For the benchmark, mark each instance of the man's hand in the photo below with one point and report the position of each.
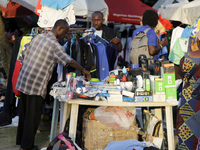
(163, 42)
(118, 42)
(86, 74)
(115, 41)
(193, 46)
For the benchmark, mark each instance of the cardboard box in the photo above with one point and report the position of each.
(169, 79)
(171, 94)
(159, 97)
(159, 87)
(144, 98)
(115, 98)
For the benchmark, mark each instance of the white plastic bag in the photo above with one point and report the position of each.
(116, 117)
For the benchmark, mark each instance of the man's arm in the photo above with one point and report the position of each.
(76, 65)
(155, 49)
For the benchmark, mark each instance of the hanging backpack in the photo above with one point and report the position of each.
(139, 46)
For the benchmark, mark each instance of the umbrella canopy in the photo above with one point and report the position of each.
(126, 11)
(165, 2)
(15, 10)
(81, 7)
(186, 12)
(30, 4)
(87, 7)
(168, 10)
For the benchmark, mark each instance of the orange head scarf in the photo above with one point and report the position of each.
(166, 23)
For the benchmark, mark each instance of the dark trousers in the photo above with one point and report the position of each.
(30, 111)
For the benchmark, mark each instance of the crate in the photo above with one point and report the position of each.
(96, 135)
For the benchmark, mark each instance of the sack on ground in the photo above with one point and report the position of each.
(115, 117)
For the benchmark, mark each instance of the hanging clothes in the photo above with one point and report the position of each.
(112, 53)
(9, 102)
(48, 16)
(103, 66)
(57, 4)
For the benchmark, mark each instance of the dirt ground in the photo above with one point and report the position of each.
(8, 136)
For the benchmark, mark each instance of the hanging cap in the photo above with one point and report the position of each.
(166, 23)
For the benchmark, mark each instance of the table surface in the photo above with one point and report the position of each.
(127, 104)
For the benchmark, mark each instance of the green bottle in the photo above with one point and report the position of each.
(147, 83)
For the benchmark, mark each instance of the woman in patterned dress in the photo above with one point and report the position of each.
(188, 121)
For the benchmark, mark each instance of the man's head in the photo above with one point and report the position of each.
(97, 20)
(150, 17)
(60, 29)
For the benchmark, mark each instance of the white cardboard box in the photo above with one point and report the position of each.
(115, 98)
(159, 97)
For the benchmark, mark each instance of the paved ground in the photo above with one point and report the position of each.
(8, 136)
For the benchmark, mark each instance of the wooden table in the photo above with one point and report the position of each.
(74, 106)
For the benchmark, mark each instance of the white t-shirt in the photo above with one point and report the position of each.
(99, 33)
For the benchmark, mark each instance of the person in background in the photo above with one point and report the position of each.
(188, 109)
(13, 30)
(40, 57)
(150, 20)
(103, 31)
(162, 26)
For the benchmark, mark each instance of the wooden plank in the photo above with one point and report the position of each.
(65, 109)
(73, 121)
(127, 104)
(158, 114)
(170, 129)
(54, 121)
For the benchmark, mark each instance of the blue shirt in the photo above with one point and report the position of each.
(151, 35)
(159, 54)
(102, 60)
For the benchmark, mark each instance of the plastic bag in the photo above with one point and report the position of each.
(116, 117)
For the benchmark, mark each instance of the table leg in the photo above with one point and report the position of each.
(158, 114)
(54, 121)
(170, 129)
(73, 121)
(64, 114)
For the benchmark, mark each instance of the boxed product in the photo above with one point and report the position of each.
(169, 79)
(96, 135)
(159, 87)
(171, 94)
(159, 97)
(168, 68)
(143, 98)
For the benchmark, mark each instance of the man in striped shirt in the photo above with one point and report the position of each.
(41, 56)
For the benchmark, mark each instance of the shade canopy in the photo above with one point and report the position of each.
(126, 11)
(186, 12)
(15, 10)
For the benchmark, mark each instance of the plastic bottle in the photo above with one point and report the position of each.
(69, 93)
(124, 78)
(124, 70)
(147, 83)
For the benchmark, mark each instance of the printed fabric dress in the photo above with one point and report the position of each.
(188, 114)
